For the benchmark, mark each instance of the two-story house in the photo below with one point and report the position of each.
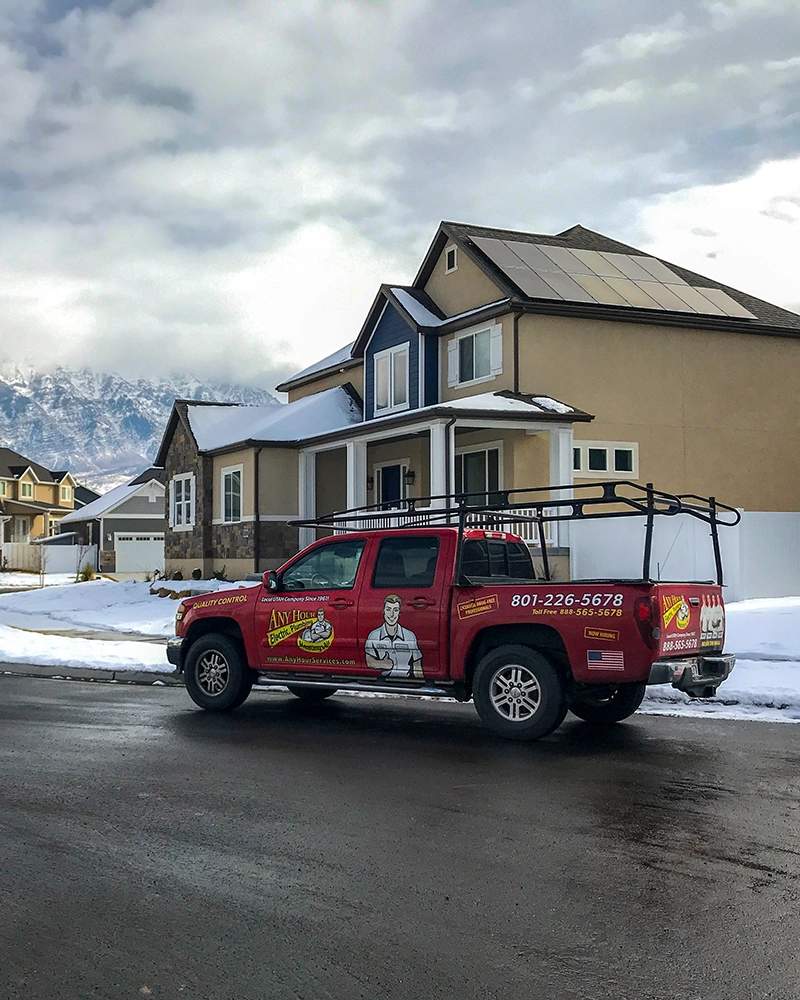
(513, 359)
(32, 499)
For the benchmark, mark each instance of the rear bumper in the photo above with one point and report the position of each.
(698, 676)
(175, 652)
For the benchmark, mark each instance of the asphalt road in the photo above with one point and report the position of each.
(387, 849)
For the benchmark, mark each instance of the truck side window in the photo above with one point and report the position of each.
(496, 560)
(330, 567)
(406, 562)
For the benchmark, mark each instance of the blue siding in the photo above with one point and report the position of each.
(431, 369)
(391, 331)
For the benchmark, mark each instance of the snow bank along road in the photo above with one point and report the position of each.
(72, 626)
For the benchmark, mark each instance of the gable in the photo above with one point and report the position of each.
(467, 287)
(391, 331)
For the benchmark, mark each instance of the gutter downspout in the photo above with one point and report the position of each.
(257, 512)
(449, 488)
(517, 316)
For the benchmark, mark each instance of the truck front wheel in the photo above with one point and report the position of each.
(217, 678)
(607, 704)
(518, 693)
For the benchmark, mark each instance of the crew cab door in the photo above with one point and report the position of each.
(403, 607)
(311, 622)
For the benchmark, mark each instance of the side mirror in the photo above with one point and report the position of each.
(270, 580)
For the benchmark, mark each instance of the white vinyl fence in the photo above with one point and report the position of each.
(760, 556)
(56, 558)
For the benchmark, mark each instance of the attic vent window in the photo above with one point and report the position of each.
(450, 260)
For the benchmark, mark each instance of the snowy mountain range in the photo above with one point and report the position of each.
(103, 428)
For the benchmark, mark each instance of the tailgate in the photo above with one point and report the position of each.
(692, 618)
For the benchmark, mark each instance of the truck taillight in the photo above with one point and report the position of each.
(645, 611)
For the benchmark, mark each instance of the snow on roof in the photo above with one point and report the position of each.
(337, 358)
(105, 503)
(424, 317)
(220, 426)
(505, 404)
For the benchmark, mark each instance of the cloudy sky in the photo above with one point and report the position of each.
(219, 186)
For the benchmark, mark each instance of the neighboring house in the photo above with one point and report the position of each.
(126, 524)
(512, 360)
(33, 500)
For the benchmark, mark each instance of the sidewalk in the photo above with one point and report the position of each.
(148, 677)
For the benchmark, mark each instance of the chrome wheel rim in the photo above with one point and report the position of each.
(212, 673)
(515, 693)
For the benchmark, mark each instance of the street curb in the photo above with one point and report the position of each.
(145, 677)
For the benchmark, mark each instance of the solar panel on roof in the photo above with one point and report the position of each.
(542, 271)
(727, 304)
(600, 290)
(598, 263)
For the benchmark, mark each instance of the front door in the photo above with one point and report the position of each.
(402, 608)
(391, 489)
(311, 623)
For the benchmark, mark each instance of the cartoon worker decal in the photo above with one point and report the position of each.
(317, 635)
(392, 649)
(319, 629)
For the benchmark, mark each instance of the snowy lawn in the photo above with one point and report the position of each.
(764, 634)
(25, 580)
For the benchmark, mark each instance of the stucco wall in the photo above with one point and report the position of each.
(277, 471)
(465, 288)
(708, 409)
(354, 375)
(505, 380)
(331, 481)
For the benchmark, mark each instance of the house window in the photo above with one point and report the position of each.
(2, 489)
(475, 356)
(26, 490)
(66, 493)
(606, 459)
(478, 474)
(21, 527)
(232, 493)
(183, 502)
(450, 260)
(391, 379)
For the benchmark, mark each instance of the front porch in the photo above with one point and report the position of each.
(435, 456)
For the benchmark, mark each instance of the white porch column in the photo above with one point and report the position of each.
(306, 494)
(356, 474)
(561, 474)
(441, 477)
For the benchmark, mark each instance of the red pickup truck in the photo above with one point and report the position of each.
(458, 611)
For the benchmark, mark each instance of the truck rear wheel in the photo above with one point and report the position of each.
(608, 704)
(310, 693)
(518, 693)
(217, 678)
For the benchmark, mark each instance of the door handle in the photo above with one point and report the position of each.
(421, 602)
(340, 603)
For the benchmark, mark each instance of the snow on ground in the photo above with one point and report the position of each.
(27, 580)
(764, 634)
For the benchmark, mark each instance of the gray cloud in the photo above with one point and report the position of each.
(220, 186)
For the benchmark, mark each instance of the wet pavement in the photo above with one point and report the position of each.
(367, 848)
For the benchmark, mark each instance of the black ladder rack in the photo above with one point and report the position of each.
(539, 505)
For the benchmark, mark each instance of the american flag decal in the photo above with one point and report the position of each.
(605, 659)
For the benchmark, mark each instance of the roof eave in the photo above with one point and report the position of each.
(297, 383)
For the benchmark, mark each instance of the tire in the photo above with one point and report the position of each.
(607, 705)
(518, 693)
(311, 694)
(216, 677)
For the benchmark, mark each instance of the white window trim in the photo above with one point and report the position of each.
(185, 476)
(447, 249)
(26, 496)
(390, 352)
(226, 471)
(3, 488)
(65, 490)
(470, 449)
(585, 473)
(452, 368)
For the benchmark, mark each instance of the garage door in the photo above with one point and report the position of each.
(139, 553)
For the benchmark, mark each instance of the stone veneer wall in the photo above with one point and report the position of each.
(193, 548)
